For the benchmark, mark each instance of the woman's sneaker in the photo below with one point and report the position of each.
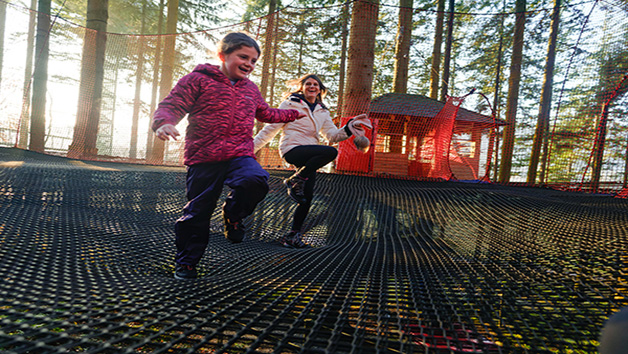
(296, 188)
(184, 271)
(293, 240)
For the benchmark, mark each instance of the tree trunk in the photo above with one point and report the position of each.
(301, 31)
(165, 85)
(438, 42)
(139, 72)
(3, 20)
(543, 120)
(268, 46)
(598, 147)
(155, 84)
(498, 67)
(91, 84)
(343, 58)
(271, 96)
(625, 184)
(402, 48)
(28, 74)
(448, 44)
(40, 78)
(498, 81)
(361, 56)
(266, 56)
(513, 93)
(606, 98)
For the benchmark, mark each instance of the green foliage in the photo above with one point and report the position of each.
(256, 8)
(309, 39)
(125, 16)
(195, 15)
(310, 43)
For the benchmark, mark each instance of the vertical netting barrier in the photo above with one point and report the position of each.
(591, 40)
(443, 130)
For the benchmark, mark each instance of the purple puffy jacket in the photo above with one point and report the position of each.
(221, 115)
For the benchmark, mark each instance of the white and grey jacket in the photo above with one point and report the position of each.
(304, 131)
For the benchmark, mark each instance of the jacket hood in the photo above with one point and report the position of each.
(296, 97)
(214, 72)
(211, 70)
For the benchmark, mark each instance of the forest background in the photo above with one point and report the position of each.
(83, 77)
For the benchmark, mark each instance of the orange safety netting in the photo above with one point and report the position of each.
(584, 142)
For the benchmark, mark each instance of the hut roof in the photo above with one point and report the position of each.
(423, 107)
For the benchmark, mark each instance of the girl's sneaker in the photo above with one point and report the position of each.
(293, 240)
(184, 271)
(234, 231)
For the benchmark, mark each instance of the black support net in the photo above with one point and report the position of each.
(399, 266)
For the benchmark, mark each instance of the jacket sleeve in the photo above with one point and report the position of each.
(265, 135)
(178, 103)
(267, 114)
(331, 132)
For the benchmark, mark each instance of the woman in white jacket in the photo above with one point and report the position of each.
(300, 145)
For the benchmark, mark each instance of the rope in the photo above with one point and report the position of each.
(562, 90)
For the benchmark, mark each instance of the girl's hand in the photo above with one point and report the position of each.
(167, 131)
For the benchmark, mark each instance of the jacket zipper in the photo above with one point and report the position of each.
(231, 115)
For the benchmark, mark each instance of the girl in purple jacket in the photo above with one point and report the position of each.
(221, 104)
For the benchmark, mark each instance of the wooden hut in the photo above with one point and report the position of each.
(406, 130)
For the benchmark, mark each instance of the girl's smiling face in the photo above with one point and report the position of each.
(239, 63)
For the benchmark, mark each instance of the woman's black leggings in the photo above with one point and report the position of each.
(308, 158)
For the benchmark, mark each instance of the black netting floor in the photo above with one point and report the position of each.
(86, 262)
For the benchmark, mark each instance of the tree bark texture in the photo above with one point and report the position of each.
(139, 72)
(40, 78)
(155, 84)
(542, 124)
(436, 52)
(167, 69)
(361, 55)
(448, 45)
(402, 47)
(3, 20)
(28, 75)
(91, 84)
(343, 58)
(268, 46)
(508, 141)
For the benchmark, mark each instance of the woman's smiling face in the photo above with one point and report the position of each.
(311, 89)
(239, 63)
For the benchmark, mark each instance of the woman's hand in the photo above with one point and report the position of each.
(167, 131)
(360, 122)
